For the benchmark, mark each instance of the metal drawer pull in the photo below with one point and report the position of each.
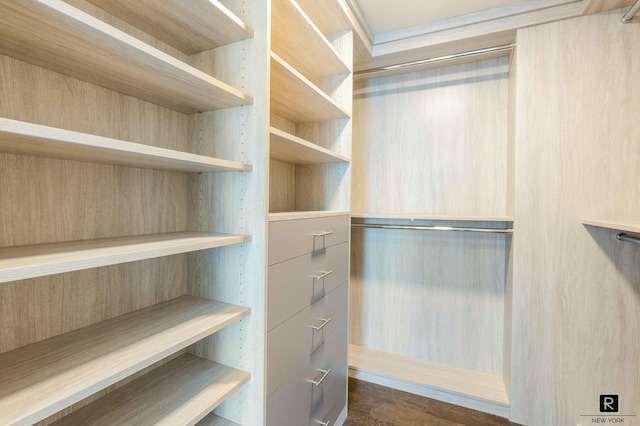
(322, 275)
(325, 373)
(327, 423)
(325, 321)
(322, 234)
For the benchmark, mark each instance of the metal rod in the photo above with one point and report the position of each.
(435, 228)
(631, 12)
(627, 238)
(501, 48)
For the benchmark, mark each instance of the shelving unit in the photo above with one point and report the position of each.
(23, 262)
(312, 55)
(292, 149)
(469, 388)
(66, 40)
(43, 378)
(309, 199)
(296, 98)
(180, 392)
(85, 92)
(185, 26)
(23, 138)
(619, 225)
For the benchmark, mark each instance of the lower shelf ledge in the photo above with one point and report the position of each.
(182, 391)
(213, 420)
(43, 378)
(467, 388)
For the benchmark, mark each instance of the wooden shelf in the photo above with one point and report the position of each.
(433, 217)
(297, 40)
(43, 378)
(190, 27)
(485, 392)
(180, 392)
(296, 98)
(19, 137)
(278, 216)
(213, 420)
(292, 149)
(620, 225)
(66, 40)
(23, 262)
(328, 15)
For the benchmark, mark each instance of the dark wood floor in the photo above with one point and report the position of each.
(373, 405)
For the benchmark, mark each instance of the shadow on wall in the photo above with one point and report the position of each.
(624, 255)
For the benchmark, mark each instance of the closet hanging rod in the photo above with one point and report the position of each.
(500, 48)
(627, 238)
(630, 13)
(435, 228)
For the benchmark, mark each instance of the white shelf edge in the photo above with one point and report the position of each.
(19, 137)
(140, 70)
(293, 76)
(201, 384)
(24, 262)
(322, 49)
(302, 151)
(619, 225)
(474, 389)
(294, 215)
(204, 24)
(432, 217)
(43, 378)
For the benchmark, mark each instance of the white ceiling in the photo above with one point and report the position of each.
(389, 15)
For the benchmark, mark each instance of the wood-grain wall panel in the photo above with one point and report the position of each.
(435, 296)
(576, 309)
(36, 309)
(432, 142)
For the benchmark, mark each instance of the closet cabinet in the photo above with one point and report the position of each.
(308, 243)
(114, 210)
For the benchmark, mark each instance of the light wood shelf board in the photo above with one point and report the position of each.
(620, 225)
(433, 217)
(213, 420)
(294, 215)
(190, 27)
(43, 378)
(297, 40)
(19, 137)
(296, 98)
(180, 392)
(292, 149)
(23, 262)
(452, 379)
(66, 40)
(327, 15)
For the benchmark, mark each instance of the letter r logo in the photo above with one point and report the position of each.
(608, 403)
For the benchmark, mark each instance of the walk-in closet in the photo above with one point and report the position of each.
(240, 212)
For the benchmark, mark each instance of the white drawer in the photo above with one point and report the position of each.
(292, 342)
(298, 401)
(292, 285)
(293, 238)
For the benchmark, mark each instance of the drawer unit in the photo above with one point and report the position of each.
(296, 283)
(312, 393)
(293, 238)
(292, 342)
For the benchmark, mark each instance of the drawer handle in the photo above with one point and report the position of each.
(322, 275)
(327, 423)
(325, 373)
(322, 234)
(325, 321)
